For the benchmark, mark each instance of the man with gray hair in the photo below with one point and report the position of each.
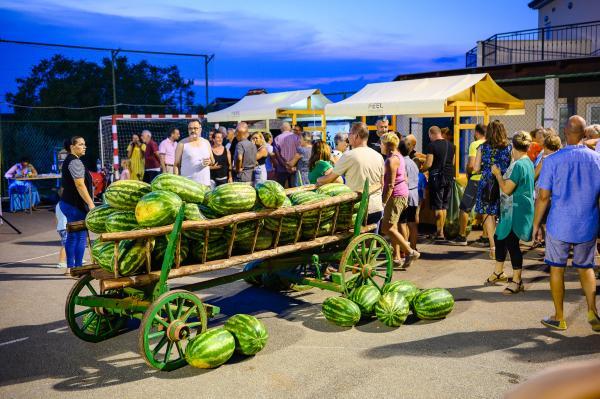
(374, 139)
(284, 148)
(569, 180)
(151, 157)
(244, 159)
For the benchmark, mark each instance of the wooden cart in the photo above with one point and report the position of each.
(100, 304)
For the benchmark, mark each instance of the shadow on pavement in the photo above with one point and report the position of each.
(52, 243)
(541, 345)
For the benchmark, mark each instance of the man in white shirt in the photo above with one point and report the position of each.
(166, 151)
(358, 165)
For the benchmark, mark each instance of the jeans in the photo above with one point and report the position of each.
(375, 218)
(75, 243)
(260, 174)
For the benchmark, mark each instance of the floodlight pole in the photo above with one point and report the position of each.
(207, 60)
(113, 57)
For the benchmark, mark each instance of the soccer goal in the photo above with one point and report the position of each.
(115, 132)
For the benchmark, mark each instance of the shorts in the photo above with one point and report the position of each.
(409, 215)
(557, 253)
(467, 203)
(394, 208)
(439, 197)
(63, 236)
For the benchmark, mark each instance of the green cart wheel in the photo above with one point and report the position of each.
(167, 325)
(88, 323)
(367, 259)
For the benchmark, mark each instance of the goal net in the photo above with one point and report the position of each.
(115, 132)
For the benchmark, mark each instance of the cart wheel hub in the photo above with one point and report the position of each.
(367, 271)
(178, 331)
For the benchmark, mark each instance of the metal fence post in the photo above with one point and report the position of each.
(543, 42)
(113, 55)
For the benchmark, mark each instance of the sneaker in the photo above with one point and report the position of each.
(61, 265)
(459, 240)
(481, 242)
(414, 255)
(594, 320)
(555, 324)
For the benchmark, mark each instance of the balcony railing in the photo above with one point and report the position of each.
(551, 43)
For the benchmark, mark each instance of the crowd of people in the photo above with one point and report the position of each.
(523, 187)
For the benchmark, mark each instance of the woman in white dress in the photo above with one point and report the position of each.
(193, 157)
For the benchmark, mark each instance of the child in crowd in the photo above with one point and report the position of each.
(125, 174)
(61, 228)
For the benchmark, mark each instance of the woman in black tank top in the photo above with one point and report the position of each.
(220, 173)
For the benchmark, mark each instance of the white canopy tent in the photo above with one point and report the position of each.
(298, 105)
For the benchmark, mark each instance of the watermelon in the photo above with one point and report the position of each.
(157, 208)
(132, 255)
(334, 189)
(121, 221)
(392, 309)
(210, 349)
(91, 324)
(309, 197)
(231, 198)
(271, 194)
(192, 212)
(216, 250)
(433, 303)
(160, 248)
(309, 232)
(103, 252)
(95, 220)
(256, 279)
(250, 334)
(289, 224)
(207, 212)
(407, 288)
(341, 311)
(263, 241)
(125, 194)
(244, 231)
(365, 296)
(187, 189)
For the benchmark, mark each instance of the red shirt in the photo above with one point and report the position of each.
(534, 150)
(151, 160)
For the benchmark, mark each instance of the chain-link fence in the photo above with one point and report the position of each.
(51, 92)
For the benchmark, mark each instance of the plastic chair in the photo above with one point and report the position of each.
(19, 195)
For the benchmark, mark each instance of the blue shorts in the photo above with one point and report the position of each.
(63, 236)
(557, 253)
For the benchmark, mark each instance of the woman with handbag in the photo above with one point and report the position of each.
(516, 213)
(495, 151)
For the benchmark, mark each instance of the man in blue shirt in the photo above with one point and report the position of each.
(569, 178)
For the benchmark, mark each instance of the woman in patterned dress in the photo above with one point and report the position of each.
(495, 151)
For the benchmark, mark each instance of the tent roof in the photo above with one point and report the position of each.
(428, 97)
(266, 106)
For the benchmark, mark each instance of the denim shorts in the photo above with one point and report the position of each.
(557, 253)
(63, 236)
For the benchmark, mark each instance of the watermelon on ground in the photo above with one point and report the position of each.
(392, 309)
(271, 194)
(125, 194)
(187, 189)
(433, 303)
(341, 311)
(365, 296)
(210, 349)
(407, 288)
(250, 333)
(158, 208)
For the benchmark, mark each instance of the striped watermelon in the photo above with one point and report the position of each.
(192, 212)
(160, 248)
(334, 189)
(365, 296)
(286, 237)
(95, 220)
(158, 208)
(407, 288)
(341, 311)
(231, 198)
(309, 232)
(392, 309)
(103, 252)
(244, 231)
(125, 194)
(210, 349)
(132, 255)
(309, 197)
(256, 279)
(433, 303)
(216, 250)
(289, 224)
(250, 334)
(271, 194)
(263, 241)
(121, 221)
(187, 189)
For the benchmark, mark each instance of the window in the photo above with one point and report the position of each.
(592, 116)
(563, 110)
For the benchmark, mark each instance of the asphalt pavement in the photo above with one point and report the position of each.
(489, 343)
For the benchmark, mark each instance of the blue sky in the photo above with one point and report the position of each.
(278, 45)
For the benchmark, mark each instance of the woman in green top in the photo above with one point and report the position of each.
(319, 163)
(516, 213)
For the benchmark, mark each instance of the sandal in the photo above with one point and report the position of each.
(513, 288)
(494, 278)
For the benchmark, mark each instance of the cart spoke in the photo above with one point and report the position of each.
(157, 334)
(371, 247)
(194, 324)
(161, 321)
(180, 349)
(97, 329)
(159, 346)
(180, 302)
(168, 352)
(83, 312)
(110, 326)
(89, 321)
(187, 313)
(375, 284)
(380, 263)
(379, 251)
(355, 254)
(92, 290)
(169, 311)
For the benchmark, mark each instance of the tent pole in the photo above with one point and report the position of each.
(457, 155)
(323, 127)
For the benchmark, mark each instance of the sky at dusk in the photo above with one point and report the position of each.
(278, 45)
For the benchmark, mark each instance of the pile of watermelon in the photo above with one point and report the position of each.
(130, 205)
(241, 333)
(391, 306)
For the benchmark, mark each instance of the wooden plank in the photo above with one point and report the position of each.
(145, 279)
